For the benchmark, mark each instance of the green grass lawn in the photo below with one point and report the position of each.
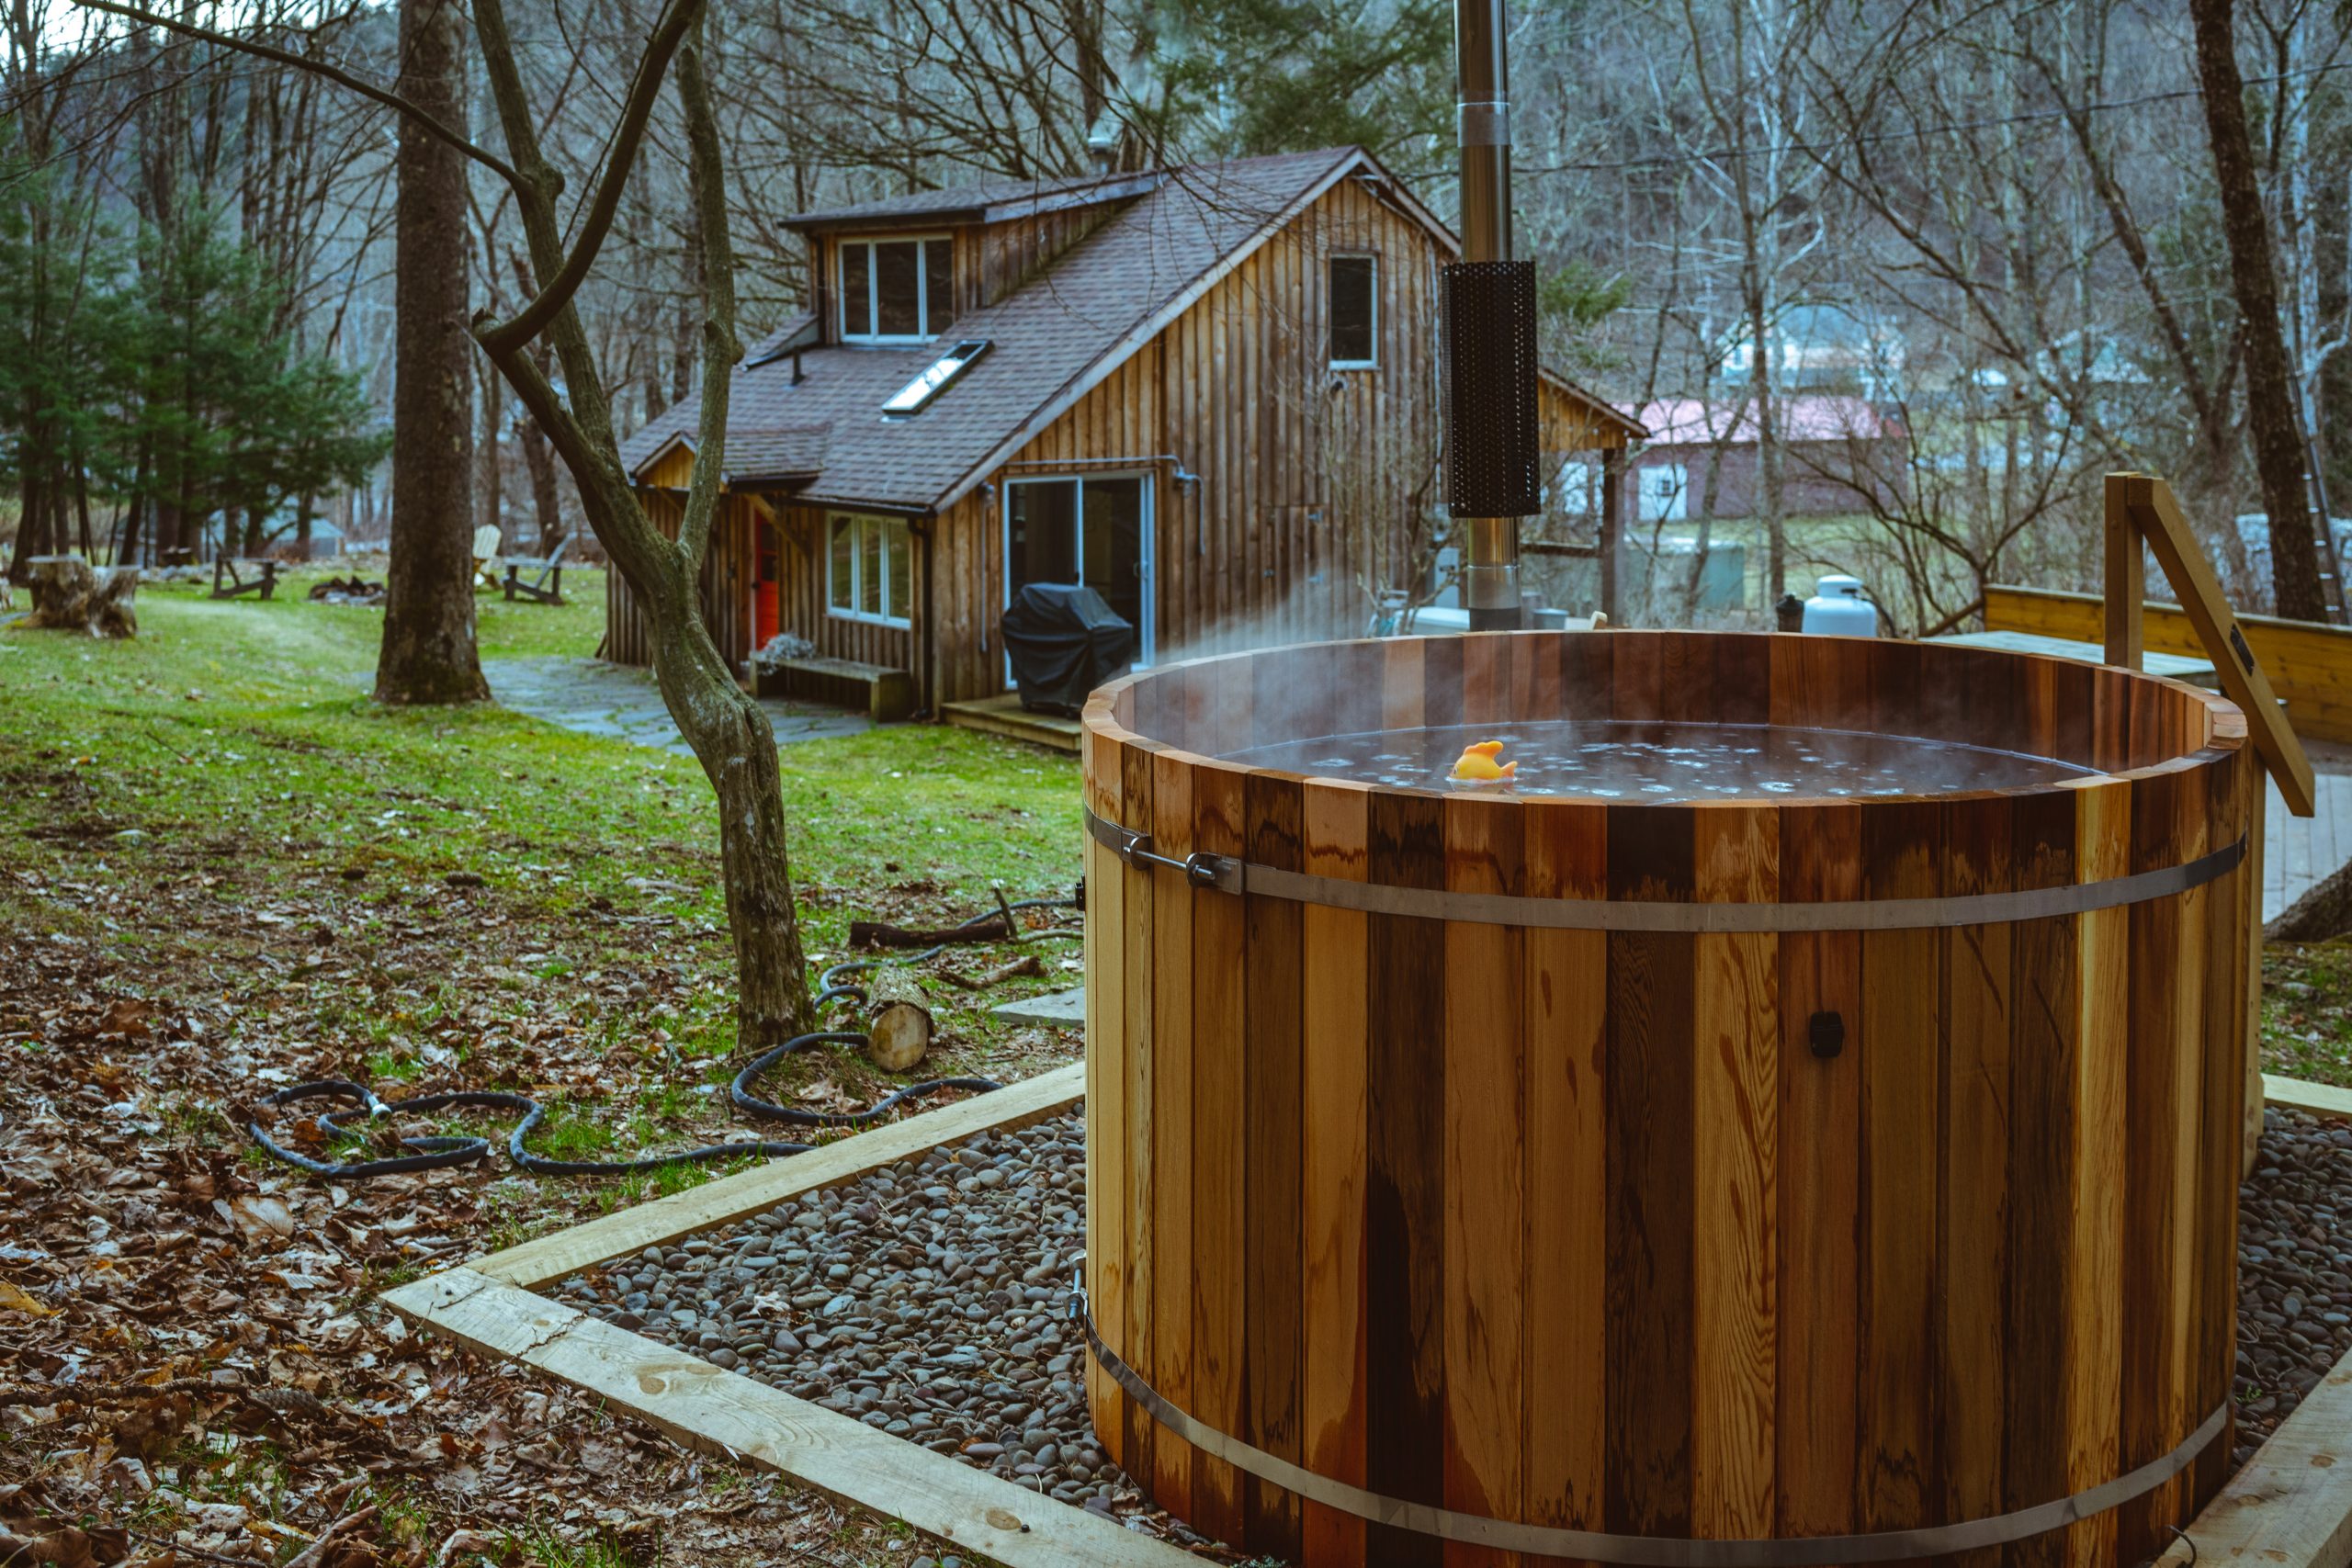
(225, 785)
(223, 869)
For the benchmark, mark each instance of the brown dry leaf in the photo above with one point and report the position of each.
(260, 1217)
(128, 1016)
(14, 1300)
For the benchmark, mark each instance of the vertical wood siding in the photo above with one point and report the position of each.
(1304, 471)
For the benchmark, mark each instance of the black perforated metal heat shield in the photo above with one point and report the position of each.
(1492, 438)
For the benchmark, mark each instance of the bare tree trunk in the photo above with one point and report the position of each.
(428, 654)
(492, 502)
(2270, 398)
(539, 458)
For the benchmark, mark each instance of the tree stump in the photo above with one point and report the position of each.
(71, 595)
(897, 1021)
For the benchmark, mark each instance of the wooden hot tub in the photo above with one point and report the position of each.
(1697, 1176)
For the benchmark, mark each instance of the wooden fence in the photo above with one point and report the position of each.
(2310, 665)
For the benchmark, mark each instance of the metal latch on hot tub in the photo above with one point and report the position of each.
(1200, 868)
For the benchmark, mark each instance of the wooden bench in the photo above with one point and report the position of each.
(885, 694)
(546, 585)
(263, 581)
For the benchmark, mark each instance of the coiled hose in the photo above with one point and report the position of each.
(442, 1151)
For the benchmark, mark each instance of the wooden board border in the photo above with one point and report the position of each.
(2290, 1506)
(490, 1305)
(2298, 1094)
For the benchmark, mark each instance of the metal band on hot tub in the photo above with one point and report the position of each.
(1641, 1551)
(1229, 875)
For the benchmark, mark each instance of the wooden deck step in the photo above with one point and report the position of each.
(1005, 716)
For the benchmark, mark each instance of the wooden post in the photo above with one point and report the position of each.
(2127, 576)
(2257, 828)
(2155, 515)
(1613, 520)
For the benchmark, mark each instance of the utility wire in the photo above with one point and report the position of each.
(1915, 133)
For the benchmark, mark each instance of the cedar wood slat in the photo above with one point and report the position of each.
(1633, 1255)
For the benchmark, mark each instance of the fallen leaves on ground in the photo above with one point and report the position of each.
(194, 1370)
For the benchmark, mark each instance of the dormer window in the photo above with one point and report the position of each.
(896, 290)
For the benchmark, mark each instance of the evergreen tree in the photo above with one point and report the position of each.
(62, 323)
(1248, 76)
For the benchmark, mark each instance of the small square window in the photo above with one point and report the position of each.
(896, 290)
(1353, 305)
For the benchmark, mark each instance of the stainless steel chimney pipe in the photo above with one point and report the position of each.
(1488, 545)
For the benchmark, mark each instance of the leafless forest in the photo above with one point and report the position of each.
(1999, 225)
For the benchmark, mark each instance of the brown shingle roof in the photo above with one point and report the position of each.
(986, 202)
(1047, 336)
(1052, 339)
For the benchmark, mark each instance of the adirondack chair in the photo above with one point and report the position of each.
(486, 554)
(257, 577)
(546, 583)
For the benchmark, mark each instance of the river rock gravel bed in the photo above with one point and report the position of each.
(927, 1300)
(2294, 1269)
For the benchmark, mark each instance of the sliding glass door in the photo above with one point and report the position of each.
(1094, 529)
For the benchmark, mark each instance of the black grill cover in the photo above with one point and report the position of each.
(1064, 641)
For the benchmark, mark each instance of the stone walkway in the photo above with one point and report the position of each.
(595, 697)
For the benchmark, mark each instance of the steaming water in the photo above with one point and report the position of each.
(1663, 764)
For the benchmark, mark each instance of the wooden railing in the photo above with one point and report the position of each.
(2310, 664)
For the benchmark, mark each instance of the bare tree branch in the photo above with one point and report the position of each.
(392, 100)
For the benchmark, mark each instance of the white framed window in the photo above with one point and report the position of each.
(897, 289)
(1665, 492)
(867, 572)
(1351, 299)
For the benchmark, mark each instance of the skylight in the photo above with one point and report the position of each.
(912, 398)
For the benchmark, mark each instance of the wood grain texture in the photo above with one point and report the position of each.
(1720, 1235)
(1270, 1199)
(1107, 1257)
(1735, 1094)
(1816, 1460)
(1405, 1413)
(1899, 1039)
(1565, 1183)
(1220, 1130)
(2095, 1347)
(1485, 1097)
(1139, 954)
(1971, 1233)
(1171, 1234)
(2044, 1048)
(1649, 1085)
(1335, 1064)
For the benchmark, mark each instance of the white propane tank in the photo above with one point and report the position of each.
(1839, 609)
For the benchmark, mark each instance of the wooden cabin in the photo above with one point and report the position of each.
(1208, 391)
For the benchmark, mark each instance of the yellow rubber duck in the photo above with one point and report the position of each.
(1477, 763)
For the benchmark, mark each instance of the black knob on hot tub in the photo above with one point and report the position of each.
(1828, 1034)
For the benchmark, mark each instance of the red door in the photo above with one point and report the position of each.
(765, 617)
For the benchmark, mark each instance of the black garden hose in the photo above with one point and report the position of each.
(442, 1151)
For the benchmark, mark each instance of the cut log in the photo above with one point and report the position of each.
(2324, 910)
(71, 595)
(897, 1021)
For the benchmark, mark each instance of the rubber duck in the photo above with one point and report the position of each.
(1477, 763)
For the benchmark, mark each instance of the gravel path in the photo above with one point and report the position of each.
(926, 1300)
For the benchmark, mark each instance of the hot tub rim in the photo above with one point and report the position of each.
(2227, 738)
